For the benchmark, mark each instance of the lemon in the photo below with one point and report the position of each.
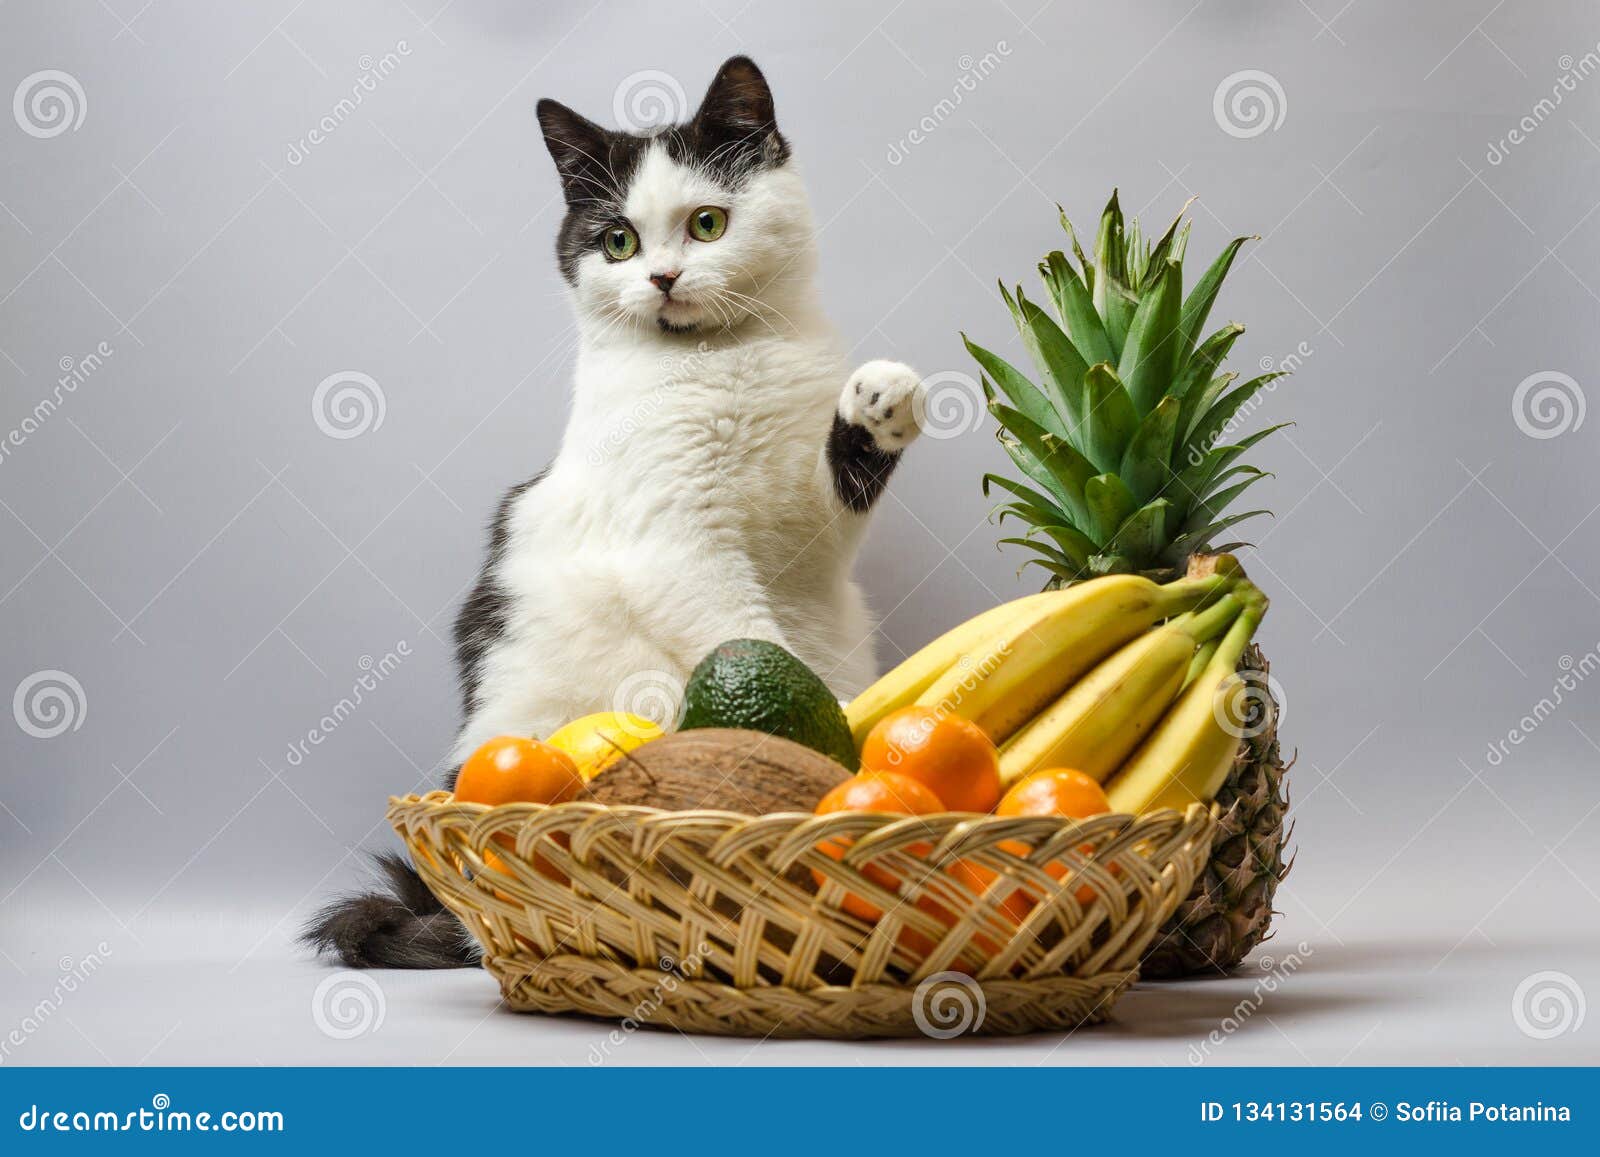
(596, 741)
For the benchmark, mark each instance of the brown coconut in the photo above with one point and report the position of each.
(721, 769)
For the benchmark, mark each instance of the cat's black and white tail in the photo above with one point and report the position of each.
(399, 925)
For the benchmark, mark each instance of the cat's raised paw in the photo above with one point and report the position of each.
(885, 399)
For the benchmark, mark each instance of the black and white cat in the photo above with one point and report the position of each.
(715, 472)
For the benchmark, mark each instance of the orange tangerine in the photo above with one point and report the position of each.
(950, 755)
(517, 769)
(1055, 791)
(1052, 791)
(888, 791)
(875, 791)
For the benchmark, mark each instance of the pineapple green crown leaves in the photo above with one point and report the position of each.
(1120, 441)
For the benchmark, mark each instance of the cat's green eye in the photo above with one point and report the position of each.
(707, 223)
(620, 242)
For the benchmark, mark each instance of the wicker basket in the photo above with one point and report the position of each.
(714, 922)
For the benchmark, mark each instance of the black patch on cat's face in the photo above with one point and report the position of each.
(733, 134)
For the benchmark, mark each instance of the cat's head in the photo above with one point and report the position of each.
(689, 228)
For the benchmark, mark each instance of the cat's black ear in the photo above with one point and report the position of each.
(738, 114)
(580, 148)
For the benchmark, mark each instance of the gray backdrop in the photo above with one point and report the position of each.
(207, 541)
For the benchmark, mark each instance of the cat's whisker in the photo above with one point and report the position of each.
(713, 305)
(725, 296)
(615, 319)
(756, 304)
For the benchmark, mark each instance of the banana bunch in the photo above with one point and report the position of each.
(1119, 677)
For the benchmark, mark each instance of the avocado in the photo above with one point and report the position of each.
(759, 686)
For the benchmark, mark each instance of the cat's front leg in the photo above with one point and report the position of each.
(878, 417)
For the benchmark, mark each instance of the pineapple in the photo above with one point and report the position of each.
(1127, 462)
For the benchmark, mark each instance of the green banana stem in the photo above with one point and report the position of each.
(1226, 658)
(1201, 660)
(1202, 626)
(1186, 594)
(1249, 604)
(1252, 596)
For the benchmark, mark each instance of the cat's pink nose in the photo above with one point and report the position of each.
(664, 281)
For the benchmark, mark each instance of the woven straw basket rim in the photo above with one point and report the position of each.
(849, 925)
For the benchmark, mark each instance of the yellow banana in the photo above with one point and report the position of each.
(1102, 718)
(901, 686)
(1187, 757)
(1041, 653)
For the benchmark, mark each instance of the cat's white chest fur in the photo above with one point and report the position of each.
(720, 436)
(691, 502)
